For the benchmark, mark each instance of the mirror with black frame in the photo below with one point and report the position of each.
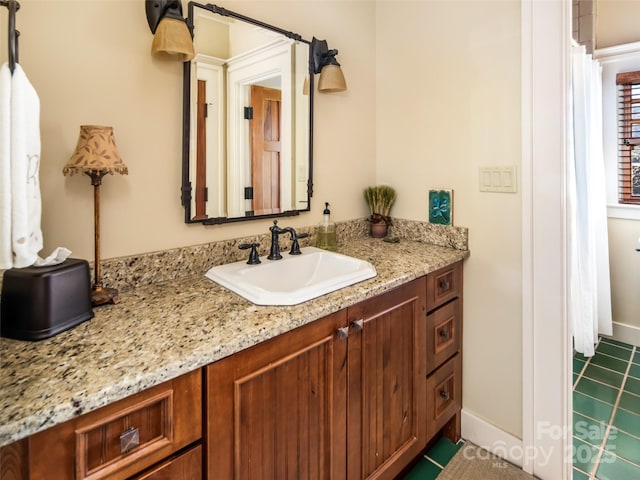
(248, 118)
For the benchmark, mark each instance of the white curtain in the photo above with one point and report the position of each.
(589, 288)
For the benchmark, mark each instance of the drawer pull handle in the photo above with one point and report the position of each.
(358, 324)
(129, 439)
(445, 395)
(343, 333)
(444, 285)
(444, 334)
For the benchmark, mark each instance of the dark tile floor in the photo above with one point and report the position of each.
(606, 413)
(606, 418)
(430, 466)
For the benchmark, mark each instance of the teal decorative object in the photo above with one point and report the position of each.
(441, 207)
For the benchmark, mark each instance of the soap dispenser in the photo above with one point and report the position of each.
(326, 231)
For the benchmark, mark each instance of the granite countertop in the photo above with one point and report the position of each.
(160, 331)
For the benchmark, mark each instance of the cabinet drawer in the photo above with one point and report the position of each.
(126, 435)
(444, 395)
(121, 439)
(186, 466)
(135, 429)
(443, 334)
(443, 285)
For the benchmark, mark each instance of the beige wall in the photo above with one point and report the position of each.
(433, 95)
(448, 102)
(90, 63)
(617, 24)
(625, 270)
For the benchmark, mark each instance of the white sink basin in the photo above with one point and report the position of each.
(293, 279)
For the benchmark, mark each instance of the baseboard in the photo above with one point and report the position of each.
(626, 333)
(491, 438)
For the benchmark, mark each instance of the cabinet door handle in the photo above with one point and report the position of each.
(445, 395)
(444, 285)
(444, 334)
(358, 324)
(343, 333)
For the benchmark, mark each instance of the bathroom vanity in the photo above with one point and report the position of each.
(204, 384)
(357, 394)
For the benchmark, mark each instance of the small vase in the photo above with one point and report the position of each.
(379, 230)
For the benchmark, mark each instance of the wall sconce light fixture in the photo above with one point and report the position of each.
(325, 63)
(96, 155)
(171, 34)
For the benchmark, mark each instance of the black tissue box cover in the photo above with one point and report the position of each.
(39, 302)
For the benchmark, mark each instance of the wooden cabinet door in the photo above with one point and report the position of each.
(386, 384)
(278, 410)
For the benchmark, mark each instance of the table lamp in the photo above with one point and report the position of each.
(96, 155)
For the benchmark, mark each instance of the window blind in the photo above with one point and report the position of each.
(628, 137)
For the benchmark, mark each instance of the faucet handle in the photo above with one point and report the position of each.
(254, 259)
(295, 246)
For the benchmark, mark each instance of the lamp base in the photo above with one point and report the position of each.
(101, 295)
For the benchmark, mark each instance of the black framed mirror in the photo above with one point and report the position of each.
(247, 119)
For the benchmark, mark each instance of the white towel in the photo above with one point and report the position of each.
(6, 260)
(20, 202)
(26, 205)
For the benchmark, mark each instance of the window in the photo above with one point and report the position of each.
(629, 137)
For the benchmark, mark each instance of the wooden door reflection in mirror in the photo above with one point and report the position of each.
(265, 149)
(201, 151)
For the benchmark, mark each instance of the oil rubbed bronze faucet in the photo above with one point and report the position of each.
(274, 253)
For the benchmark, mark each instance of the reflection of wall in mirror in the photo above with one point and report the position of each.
(226, 38)
(269, 62)
(300, 135)
(244, 37)
(211, 35)
(208, 73)
(211, 42)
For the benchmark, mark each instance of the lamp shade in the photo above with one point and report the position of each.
(305, 85)
(172, 37)
(332, 79)
(96, 151)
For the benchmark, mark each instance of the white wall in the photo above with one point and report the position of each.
(448, 102)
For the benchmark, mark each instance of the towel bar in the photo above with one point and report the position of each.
(13, 7)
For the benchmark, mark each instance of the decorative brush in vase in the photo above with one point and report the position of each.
(380, 199)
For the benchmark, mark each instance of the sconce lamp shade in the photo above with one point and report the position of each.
(325, 63)
(172, 37)
(96, 151)
(332, 79)
(306, 85)
(171, 33)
